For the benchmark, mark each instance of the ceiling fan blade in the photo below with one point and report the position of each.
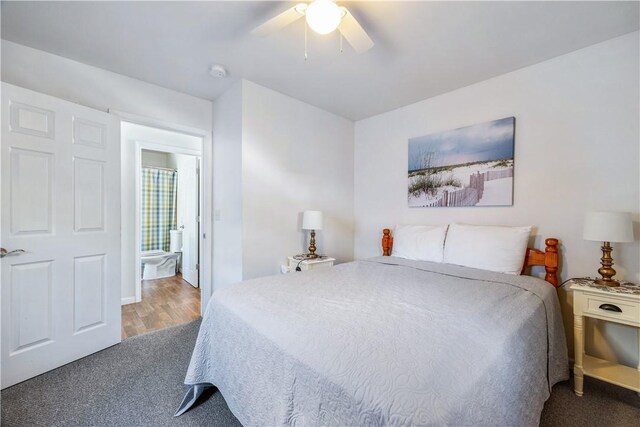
(354, 33)
(280, 21)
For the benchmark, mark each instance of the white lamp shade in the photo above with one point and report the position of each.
(608, 227)
(312, 220)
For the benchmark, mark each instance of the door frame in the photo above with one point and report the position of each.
(144, 145)
(206, 196)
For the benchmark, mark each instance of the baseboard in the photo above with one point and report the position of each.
(128, 300)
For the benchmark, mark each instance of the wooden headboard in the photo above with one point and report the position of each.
(548, 259)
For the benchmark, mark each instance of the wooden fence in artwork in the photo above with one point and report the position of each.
(471, 194)
(504, 173)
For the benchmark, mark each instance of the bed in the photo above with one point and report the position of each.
(385, 341)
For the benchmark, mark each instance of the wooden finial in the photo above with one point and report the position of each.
(551, 261)
(387, 242)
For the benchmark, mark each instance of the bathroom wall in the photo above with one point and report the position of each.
(156, 159)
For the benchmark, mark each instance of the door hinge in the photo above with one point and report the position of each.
(197, 266)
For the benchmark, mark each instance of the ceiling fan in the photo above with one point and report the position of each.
(323, 17)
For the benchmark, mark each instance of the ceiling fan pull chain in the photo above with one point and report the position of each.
(305, 41)
(340, 41)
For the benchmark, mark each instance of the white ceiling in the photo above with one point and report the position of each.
(422, 48)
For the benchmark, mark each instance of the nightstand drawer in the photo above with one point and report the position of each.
(310, 264)
(316, 265)
(620, 305)
(612, 308)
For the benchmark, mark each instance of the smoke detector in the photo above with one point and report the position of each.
(218, 71)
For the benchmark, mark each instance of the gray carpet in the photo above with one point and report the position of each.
(139, 383)
(136, 383)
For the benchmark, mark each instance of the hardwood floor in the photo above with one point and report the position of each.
(165, 302)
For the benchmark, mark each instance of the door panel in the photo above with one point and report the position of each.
(31, 305)
(60, 185)
(88, 133)
(88, 292)
(88, 194)
(31, 120)
(31, 173)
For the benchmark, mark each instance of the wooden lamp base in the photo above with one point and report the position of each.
(606, 270)
(312, 246)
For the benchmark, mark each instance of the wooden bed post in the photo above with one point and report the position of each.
(387, 242)
(547, 259)
(551, 261)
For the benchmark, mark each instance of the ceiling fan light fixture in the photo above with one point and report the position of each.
(323, 16)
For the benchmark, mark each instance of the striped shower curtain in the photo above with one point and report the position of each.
(158, 208)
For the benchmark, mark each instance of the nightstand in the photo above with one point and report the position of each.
(612, 304)
(310, 264)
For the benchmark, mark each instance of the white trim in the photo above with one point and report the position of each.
(158, 124)
(206, 195)
(128, 300)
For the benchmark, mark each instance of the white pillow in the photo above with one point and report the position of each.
(492, 248)
(419, 242)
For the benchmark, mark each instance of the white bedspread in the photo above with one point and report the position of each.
(383, 341)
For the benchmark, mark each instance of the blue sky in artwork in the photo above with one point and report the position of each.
(484, 141)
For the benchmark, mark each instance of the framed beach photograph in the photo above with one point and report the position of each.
(469, 166)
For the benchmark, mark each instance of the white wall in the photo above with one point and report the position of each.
(100, 89)
(576, 149)
(274, 158)
(227, 188)
(295, 157)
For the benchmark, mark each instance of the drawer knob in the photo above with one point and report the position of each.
(610, 307)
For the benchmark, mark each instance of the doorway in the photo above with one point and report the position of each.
(164, 284)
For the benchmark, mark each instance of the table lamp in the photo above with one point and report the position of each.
(312, 220)
(608, 227)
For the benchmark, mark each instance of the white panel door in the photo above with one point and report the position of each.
(60, 184)
(188, 200)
